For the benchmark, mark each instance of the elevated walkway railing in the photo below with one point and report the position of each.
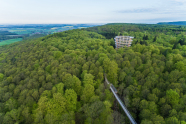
(114, 91)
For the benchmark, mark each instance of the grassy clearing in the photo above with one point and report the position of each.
(6, 42)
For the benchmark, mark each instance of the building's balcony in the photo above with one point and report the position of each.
(123, 43)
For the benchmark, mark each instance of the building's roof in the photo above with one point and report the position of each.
(124, 37)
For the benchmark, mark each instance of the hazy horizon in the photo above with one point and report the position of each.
(52, 23)
(91, 12)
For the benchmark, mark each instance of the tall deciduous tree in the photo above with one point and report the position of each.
(71, 99)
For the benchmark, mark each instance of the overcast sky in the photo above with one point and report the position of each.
(94, 11)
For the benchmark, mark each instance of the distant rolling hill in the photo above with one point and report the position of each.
(173, 23)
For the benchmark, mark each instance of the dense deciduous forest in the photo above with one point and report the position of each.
(60, 78)
(56, 79)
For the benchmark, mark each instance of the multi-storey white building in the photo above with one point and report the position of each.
(121, 41)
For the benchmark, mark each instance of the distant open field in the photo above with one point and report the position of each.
(82, 27)
(6, 42)
(20, 32)
(29, 31)
(68, 26)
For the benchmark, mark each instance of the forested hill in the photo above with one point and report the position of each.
(57, 79)
(173, 23)
(60, 78)
(168, 38)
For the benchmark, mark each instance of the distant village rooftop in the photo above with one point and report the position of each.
(121, 41)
